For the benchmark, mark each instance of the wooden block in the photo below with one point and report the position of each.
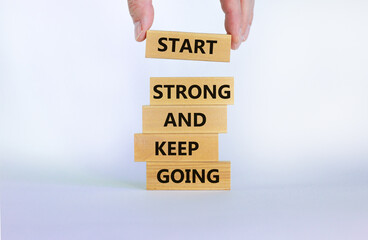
(188, 46)
(191, 90)
(184, 119)
(188, 175)
(175, 147)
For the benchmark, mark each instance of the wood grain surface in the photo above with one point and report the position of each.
(155, 117)
(188, 46)
(182, 176)
(175, 147)
(191, 90)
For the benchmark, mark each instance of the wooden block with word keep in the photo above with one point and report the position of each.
(188, 175)
(175, 147)
(188, 46)
(191, 90)
(184, 119)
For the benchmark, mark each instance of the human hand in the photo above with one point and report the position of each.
(238, 18)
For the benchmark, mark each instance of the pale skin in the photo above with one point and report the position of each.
(238, 18)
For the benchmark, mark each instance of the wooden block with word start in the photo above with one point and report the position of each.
(188, 175)
(184, 119)
(188, 46)
(191, 90)
(175, 147)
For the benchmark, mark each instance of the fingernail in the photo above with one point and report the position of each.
(246, 33)
(237, 44)
(137, 30)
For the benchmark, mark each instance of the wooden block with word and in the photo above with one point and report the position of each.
(184, 119)
(191, 90)
(188, 175)
(188, 46)
(175, 147)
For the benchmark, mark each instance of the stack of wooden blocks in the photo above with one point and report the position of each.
(181, 126)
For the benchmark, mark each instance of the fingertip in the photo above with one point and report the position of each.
(142, 13)
(236, 40)
(246, 33)
(142, 37)
(235, 46)
(138, 31)
(233, 22)
(141, 28)
(140, 34)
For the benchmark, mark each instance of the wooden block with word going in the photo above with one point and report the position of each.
(175, 147)
(191, 90)
(184, 119)
(188, 175)
(188, 46)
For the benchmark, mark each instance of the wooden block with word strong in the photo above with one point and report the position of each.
(191, 90)
(184, 119)
(175, 147)
(188, 175)
(188, 46)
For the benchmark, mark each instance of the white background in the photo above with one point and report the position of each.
(72, 83)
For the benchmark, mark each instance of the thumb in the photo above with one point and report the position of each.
(142, 15)
(232, 10)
